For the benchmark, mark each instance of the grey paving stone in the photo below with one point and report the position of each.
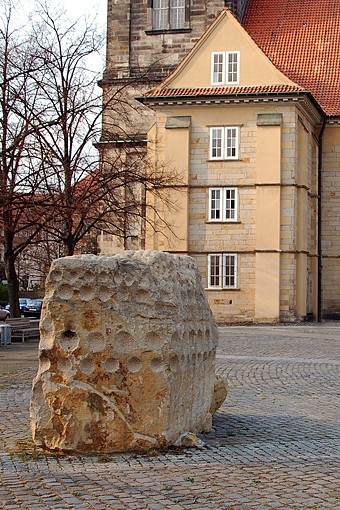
(274, 443)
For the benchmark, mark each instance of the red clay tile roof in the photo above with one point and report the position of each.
(302, 39)
(224, 91)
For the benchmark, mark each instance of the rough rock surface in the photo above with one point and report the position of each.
(127, 354)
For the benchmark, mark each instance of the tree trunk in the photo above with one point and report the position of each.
(13, 283)
(69, 246)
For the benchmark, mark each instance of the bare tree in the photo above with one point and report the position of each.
(19, 181)
(54, 184)
(86, 191)
(67, 160)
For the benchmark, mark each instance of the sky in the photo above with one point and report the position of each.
(96, 8)
(79, 7)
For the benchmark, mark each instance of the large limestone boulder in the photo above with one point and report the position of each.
(127, 354)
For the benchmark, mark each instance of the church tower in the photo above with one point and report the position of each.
(156, 33)
(147, 39)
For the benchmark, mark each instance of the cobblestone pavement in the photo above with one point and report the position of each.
(274, 445)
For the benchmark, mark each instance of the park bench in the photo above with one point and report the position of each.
(24, 329)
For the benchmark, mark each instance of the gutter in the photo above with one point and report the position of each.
(231, 96)
(320, 161)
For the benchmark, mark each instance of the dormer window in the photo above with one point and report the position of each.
(168, 14)
(225, 68)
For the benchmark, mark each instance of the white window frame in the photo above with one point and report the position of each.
(218, 67)
(225, 68)
(224, 142)
(223, 269)
(232, 67)
(168, 14)
(223, 204)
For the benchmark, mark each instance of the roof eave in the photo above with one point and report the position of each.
(238, 97)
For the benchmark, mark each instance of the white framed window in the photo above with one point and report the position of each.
(222, 271)
(168, 14)
(233, 67)
(218, 68)
(225, 67)
(223, 204)
(224, 142)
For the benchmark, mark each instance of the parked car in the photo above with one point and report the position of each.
(33, 308)
(4, 314)
(22, 304)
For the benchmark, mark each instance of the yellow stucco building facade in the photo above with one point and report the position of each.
(249, 143)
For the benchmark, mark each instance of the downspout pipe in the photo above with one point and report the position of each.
(320, 164)
(130, 36)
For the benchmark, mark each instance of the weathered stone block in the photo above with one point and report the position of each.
(127, 354)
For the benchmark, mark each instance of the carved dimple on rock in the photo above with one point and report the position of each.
(111, 365)
(157, 364)
(91, 276)
(65, 365)
(45, 364)
(56, 275)
(69, 340)
(87, 365)
(104, 294)
(95, 342)
(65, 291)
(129, 279)
(104, 278)
(134, 364)
(175, 339)
(118, 278)
(174, 363)
(123, 341)
(87, 293)
(74, 274)
(153, 340)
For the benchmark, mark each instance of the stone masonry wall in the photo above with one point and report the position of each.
(330, 223)
(132, 45)
(235, 305)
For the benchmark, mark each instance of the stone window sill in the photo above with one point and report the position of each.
(219, 289)
(223, 222)
(168, 31)
(223, 160)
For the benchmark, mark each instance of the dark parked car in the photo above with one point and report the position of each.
(33, 308)
(22, 304)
